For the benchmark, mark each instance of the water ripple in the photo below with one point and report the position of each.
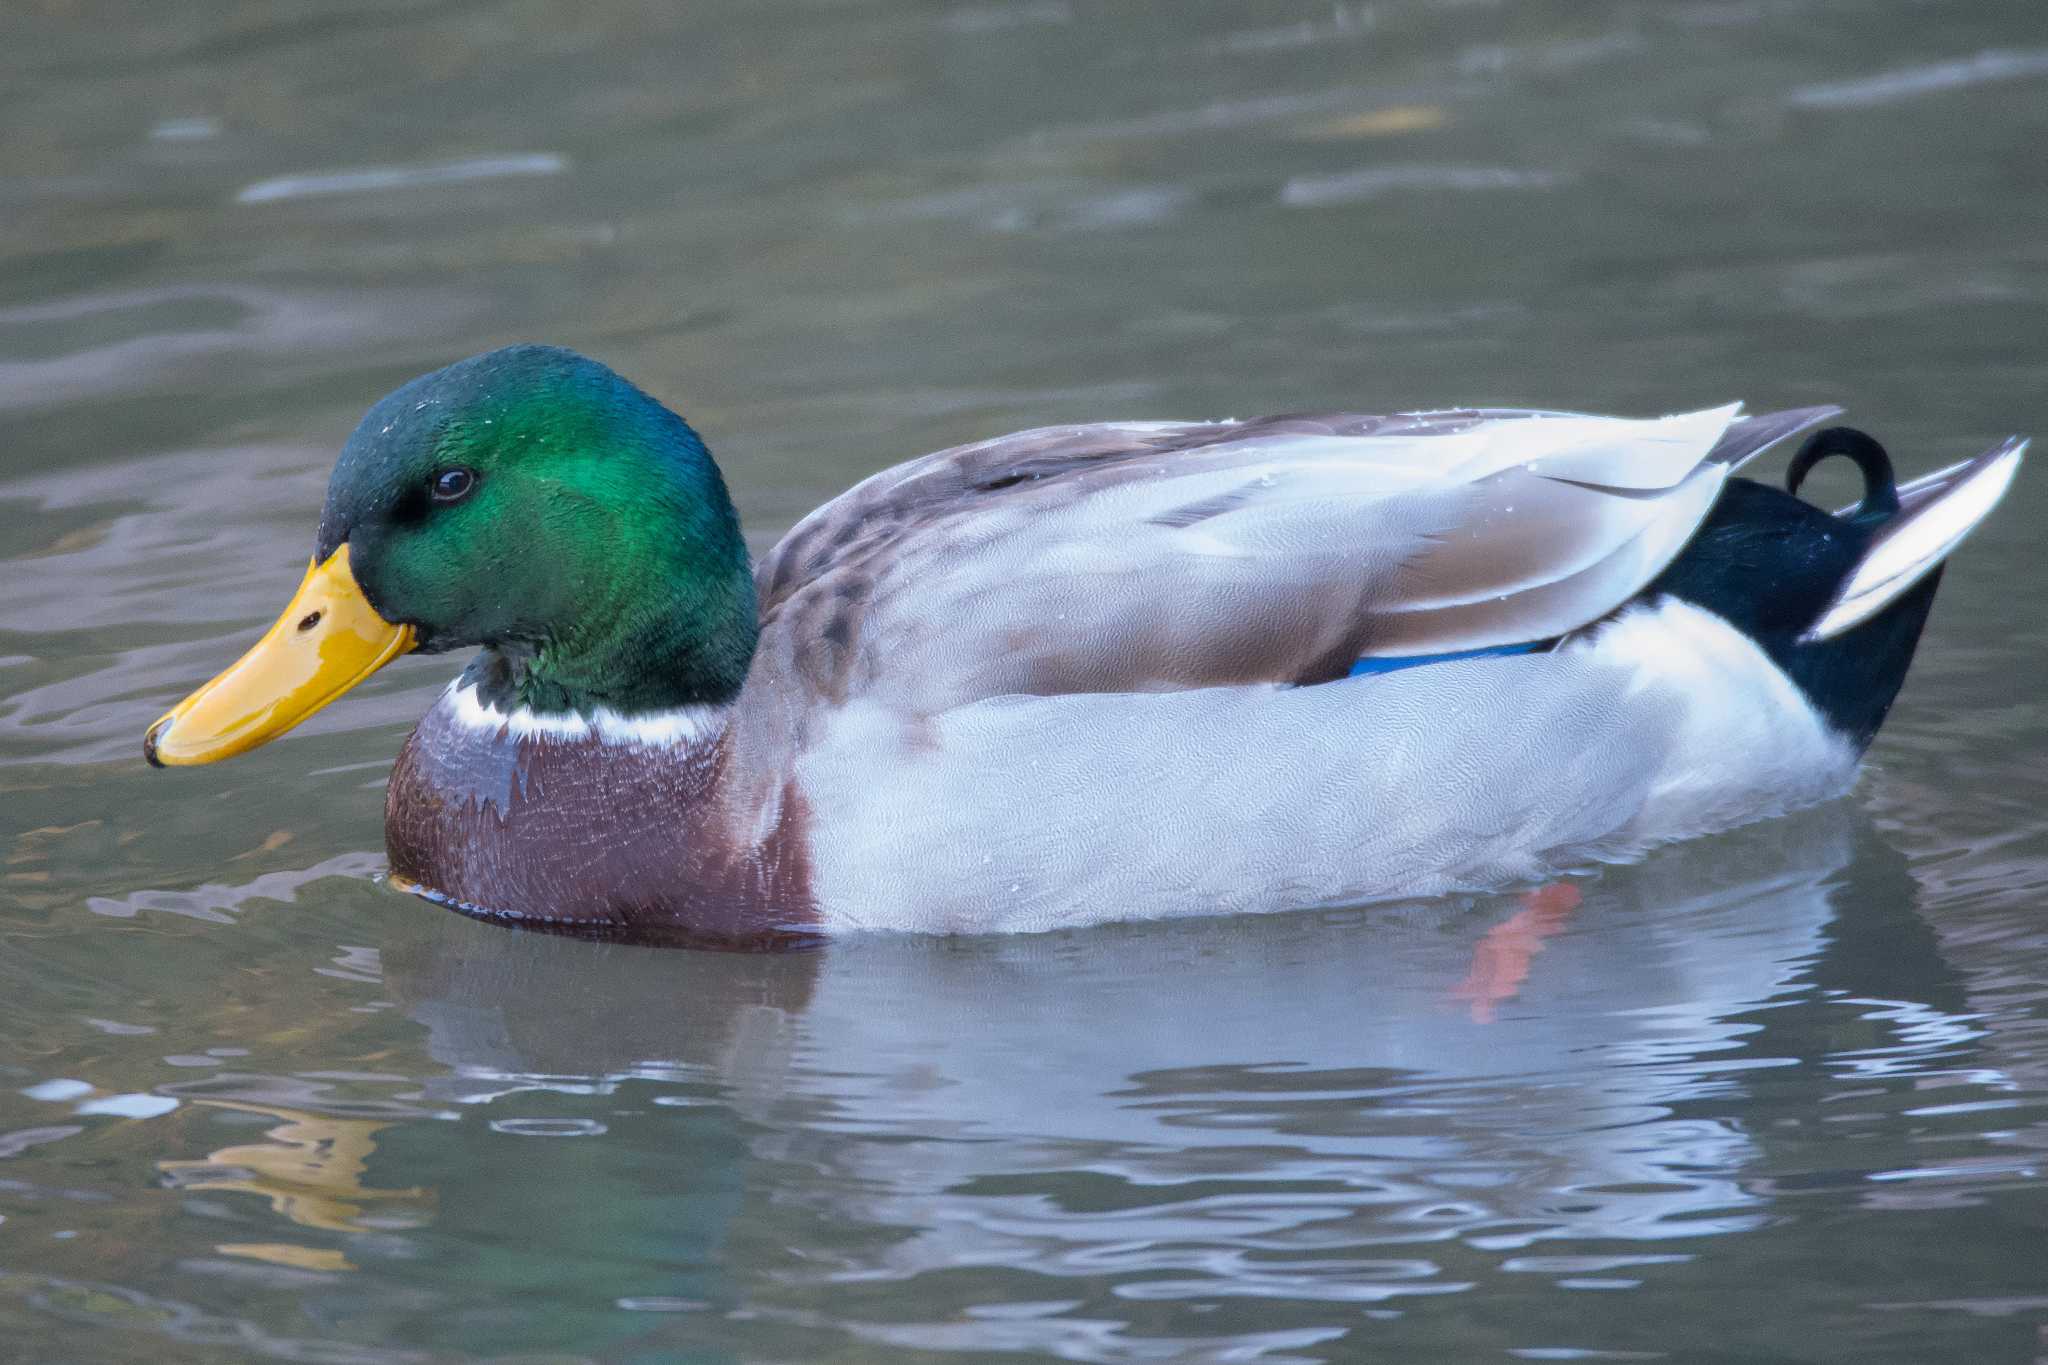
(1911, 82)
(1347, 187)
(372, 179)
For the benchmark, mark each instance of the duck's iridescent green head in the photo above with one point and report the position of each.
(527, 500)
(532, 500)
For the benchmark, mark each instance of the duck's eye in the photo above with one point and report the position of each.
(453, 485)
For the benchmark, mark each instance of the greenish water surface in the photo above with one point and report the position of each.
(1774, 1096)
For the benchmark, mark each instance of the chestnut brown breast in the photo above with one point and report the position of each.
(581, 836)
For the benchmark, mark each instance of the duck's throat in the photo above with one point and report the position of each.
(690, 651)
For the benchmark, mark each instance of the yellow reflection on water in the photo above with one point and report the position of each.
(288, 1254)
(310, 1168)
(1399, 118)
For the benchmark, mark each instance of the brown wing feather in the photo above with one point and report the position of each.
(993, 568)
(817, 583)
(960, 480)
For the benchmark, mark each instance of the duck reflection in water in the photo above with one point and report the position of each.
(1293, 1104)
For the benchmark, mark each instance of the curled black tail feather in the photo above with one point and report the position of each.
(1769, 564)
(1880, 487)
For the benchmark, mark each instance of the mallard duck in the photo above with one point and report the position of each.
(1083, 673)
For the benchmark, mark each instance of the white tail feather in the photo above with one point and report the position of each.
(1935, 513)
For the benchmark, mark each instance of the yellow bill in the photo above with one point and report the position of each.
(329, 639)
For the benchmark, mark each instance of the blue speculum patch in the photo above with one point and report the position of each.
(1367, 667)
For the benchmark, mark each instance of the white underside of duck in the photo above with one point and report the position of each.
(1034, 813)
